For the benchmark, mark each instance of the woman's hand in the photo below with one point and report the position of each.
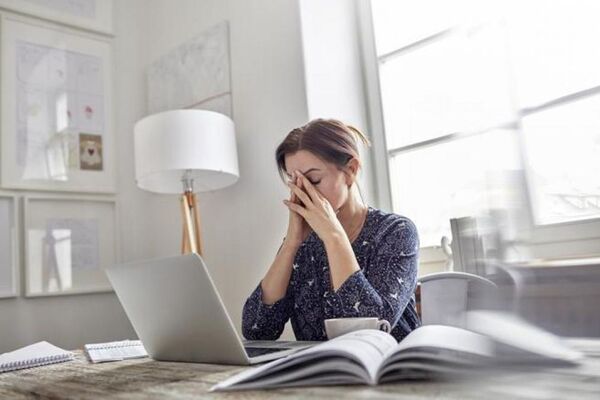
(298, 228)
(314, 209)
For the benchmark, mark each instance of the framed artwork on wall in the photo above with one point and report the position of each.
(195, 74)
(68, 243)
(9, 249)
(57, 119)
(94, 15)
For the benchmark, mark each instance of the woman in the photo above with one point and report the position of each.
(340, 257)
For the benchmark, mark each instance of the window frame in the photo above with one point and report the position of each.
(571, 239)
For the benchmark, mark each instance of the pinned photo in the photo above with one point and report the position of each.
(90, 152)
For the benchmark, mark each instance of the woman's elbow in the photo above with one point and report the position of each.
(253, 332)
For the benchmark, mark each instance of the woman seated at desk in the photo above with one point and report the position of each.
(340, 258)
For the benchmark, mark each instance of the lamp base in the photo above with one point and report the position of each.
(191, 241)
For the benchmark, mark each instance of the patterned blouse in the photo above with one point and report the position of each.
(386, 250)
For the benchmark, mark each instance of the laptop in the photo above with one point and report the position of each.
(178, 314)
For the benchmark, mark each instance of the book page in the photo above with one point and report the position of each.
(518, 340)
(366, 347)
(331, 369)
(447, 337)
(437, 348)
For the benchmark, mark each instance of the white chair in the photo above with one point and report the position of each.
(445, 296)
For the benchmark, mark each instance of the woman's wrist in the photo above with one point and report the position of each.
(290, 242)
(276, 280)
(335, 238)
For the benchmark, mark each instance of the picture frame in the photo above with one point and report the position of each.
(93, 15)
(56, 115)
(68, 243)
(194, 75)
(9, 247)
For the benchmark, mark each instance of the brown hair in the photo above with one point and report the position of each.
(329, 139)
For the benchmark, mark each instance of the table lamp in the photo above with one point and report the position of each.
(184, 152)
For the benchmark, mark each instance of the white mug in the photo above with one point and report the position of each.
(339, 326)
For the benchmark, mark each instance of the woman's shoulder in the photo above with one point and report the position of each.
(389, 227)
(385, 221)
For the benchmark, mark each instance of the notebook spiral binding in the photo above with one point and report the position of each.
(34, 362)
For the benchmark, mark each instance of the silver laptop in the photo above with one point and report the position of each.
(178, 314)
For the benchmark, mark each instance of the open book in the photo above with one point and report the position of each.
(370, 357)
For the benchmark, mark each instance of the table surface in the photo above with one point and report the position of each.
(148, 379)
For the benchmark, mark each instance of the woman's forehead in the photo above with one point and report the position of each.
(304, 161)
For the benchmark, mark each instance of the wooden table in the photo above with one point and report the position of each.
(148, 379)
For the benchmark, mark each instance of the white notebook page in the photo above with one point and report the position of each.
(40, 353)
(115, 351)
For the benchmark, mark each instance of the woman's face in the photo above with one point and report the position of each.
(331, 182)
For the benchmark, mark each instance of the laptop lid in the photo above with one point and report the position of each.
(176, 310)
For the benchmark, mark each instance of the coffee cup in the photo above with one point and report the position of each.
(339, 326)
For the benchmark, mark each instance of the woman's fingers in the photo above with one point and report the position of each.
(296, 208)
(301, 194)
(293, 197)
(315, 196)
(295, 180)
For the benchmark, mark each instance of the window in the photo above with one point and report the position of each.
(476, 100)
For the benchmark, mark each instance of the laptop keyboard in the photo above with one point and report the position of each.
(259, 351)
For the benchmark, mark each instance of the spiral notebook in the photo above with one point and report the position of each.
(35, 355)
(115, 351)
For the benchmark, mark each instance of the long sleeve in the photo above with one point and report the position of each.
(262, 321)
(385, 288)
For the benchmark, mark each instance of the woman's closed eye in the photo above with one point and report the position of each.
(314, 182)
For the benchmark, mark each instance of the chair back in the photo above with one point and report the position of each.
(443, 297)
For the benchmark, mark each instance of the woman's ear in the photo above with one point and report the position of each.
(351, 171)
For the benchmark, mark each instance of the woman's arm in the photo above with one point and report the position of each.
(384, 289)
(274, 284)
(268, 308)
(342, 261)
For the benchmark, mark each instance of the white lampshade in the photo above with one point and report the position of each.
(170, 143)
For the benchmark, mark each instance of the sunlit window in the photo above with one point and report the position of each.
(473, 88)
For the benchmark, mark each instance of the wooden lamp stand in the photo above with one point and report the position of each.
(191, 241)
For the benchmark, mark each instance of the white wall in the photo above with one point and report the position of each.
(71, 321)
(243, 225)
(335, 86)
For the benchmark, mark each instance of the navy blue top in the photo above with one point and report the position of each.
(386, 250)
